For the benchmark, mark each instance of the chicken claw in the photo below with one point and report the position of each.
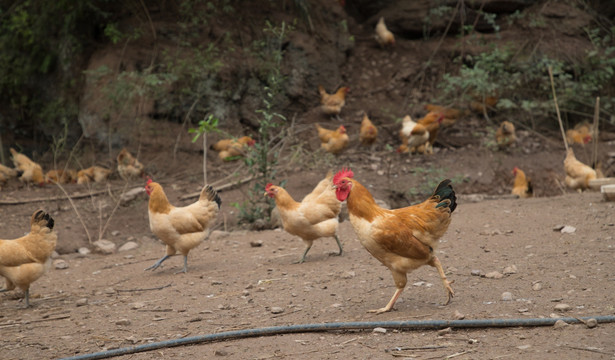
(435, 262)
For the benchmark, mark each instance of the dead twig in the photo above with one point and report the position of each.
(147, 289)
(590, 350)
(2, 326)
(595, 134)
(559, 116)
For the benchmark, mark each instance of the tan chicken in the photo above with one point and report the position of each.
(61, 176)
(180, 228)
(505, 135)
(31, 171)
(315, 217)
(36, 246)
(412, 135)
(232, 149)
(368, 132)
(128, 167)
(383, 36)
(522, 187)
(580, 134)
(332, 104)
(401, 239)
(578, 174)
(95, 174)
(333, 141)
(7, 173)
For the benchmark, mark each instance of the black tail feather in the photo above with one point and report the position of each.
(212, 195)
(445, 191)
(41, 215)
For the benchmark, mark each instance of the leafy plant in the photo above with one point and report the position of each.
(206, 126)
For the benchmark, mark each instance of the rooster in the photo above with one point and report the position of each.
(31, 171)
(401, 239)
(332, 104)
(505, 135)
(333, 141)
(368, 132)
(128, 166)
(180, 228)
(316, 216)
(383, 35)
(522, 186)
(36, 246)
(578, 174)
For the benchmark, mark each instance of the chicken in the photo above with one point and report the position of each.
(7, 173)
(332, 104)
(383, 35)
(93, 173)
(316, 216)
(580, 134)
(128, 166)
(505, 135)
(32, 172)
(231, 149)
(412, 135)
(368, 132)
(23, 276)
(522, 187)
(451, 115)
(61, 176)
(431, 122)
(481, 106)
(180, 228)
(578, 174)
(401, 239)
(333, 141)
(36, 246)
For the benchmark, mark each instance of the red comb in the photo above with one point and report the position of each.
(344, 173)
(268, 186)
(149, 180)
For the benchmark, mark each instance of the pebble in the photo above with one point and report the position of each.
(591, 323)
(81, 302)
(379, 330)
(277, 310)
(137, 305)
(130, 245)
(537, 286)
(123, 322)
(104, 246)
(510, 270)
(458, 315)
(568, 229)
(256, 243)
(84, 251)
(475, 272)
(443, 332)
(60, 264)
(559, 324)
(524, 347)
(494, 275)
(562, 307)
(115, 233)
(220, 353)
(507, 296)
(348, 275)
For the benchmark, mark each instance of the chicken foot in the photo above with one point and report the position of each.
(435, 262)
(26, 296)
(389, 306)
(158, 263)
(339, 245)
(185, 269)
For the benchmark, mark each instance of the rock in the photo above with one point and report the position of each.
(510, 270)
(458, 315)
(137, 305)
(568, 229)
(277, 310)
(256, 243)
(220, 353)
(81, 302)
(475, 272)
(84, 251)
(507, 296)
(562, 307)
(104, 246)
(494, 275)
(558, 227)
(115, 233)
(131, 245)
(560, 324)
(443, 332)
(131, 194)
(60, 264)
(591, 323)
(537, 286)
(379, 330)
(348, 275)
(524, 347)
(123, 322)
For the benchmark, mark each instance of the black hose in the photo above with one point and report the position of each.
(277, 330)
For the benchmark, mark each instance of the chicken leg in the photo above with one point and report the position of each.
(302, 260)
(158, 263)
(435, 262)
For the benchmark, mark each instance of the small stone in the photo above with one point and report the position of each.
(123, 322)
(568, 229)
(110, 291)
(559, 324)
(115, 233)
(256, 243)
(510, 270)
(494, 275)
(130, 245)
(524, 347)
(137, 305)
(131, 194)
(537, 286)
(443, 332)
(60, 264)
(379, 330)
(563, 307)
(591, 323)
(84, 251)
(558, 227)
(458, 315)
(475, 272)
(277, 310)
(104, 246)
(81, 302)
(216, 282)
(220, 353)
(348, 275)
(507, 296)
